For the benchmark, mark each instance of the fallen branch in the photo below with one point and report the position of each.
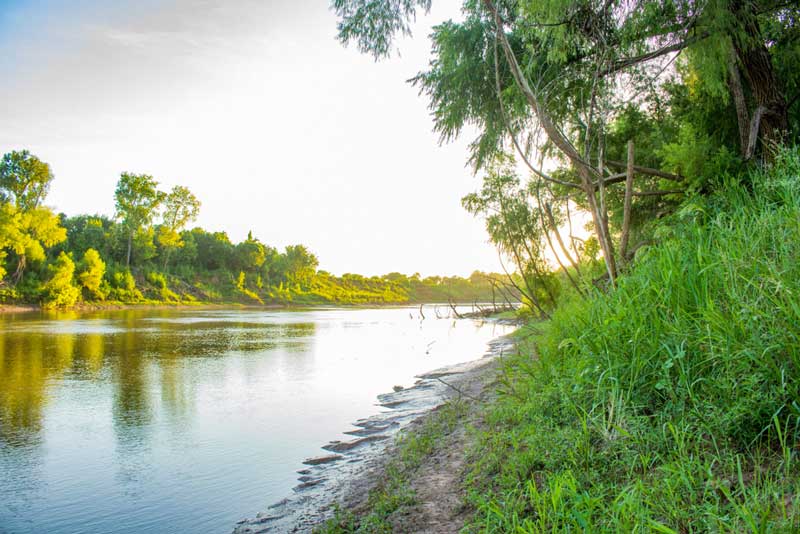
(460, 392)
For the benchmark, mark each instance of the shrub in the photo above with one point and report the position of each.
(93, 268)
(59, 290)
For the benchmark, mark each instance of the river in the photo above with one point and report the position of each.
(187, 420)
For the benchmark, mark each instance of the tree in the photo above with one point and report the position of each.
(29, 226)
(181, 207)
(514, 226)
(543, 77)
(137, 199)
(89, 231)
(59, 291)
(11, 237)
(93, 268)
(24, 180)
(298, 265)
(214, 250)
(27, 234)
(249, 255)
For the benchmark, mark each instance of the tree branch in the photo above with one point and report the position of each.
(623, 64)
(640, 170)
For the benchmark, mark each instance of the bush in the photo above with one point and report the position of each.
(93, 268)
(123, 287)
(59, 291)
(160, 282)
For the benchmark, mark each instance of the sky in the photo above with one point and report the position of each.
(258, 109)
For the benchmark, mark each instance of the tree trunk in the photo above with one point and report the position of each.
(166, 257)
(626, 213)
(756, 65)
(584, 169)
(21, 264)
(740, 103)
(130, 248)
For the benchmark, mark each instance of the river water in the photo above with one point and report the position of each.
(188, 420)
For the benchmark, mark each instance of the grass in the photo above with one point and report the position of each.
(393, 492)
(671, 404)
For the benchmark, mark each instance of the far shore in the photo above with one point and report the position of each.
(111, 306)
(101, 306)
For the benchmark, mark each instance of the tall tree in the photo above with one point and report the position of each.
(545, 77)
(30, 227)
(24, 179)
(181, 207)
(298, 265)
(137, 201)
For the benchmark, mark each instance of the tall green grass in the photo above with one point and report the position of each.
(671, 404)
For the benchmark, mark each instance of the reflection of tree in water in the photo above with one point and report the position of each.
(28, 362)
(140, 357)
(131, 407)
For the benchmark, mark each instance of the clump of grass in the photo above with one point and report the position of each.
(671, 404)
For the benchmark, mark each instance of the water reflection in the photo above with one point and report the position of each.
(134, 348)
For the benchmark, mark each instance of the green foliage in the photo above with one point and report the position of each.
(515, 225)
(181, 207)
(385, 20)
(24, 180)
(241, 287)
(670, 404)
(89, 231)
(163, 292)
(137, 199)
(93, 268)
(59, 291)
(123, 287)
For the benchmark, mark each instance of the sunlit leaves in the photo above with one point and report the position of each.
(24, 180)
(59, 290)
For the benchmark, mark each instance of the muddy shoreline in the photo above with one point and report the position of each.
(346, 474)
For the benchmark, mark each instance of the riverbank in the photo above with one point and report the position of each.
(668, 404)
(419, 486)
(438, 406)
(102, 306)
(193, 305)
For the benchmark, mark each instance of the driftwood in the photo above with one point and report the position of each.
(459, 391)
(453, 307)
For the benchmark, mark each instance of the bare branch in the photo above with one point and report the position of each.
(658, 193)
(623, 64)
(640, 170)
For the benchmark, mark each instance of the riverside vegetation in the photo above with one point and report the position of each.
(146, 254)
(656, 382)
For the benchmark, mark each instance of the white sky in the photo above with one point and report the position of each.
(255, 107)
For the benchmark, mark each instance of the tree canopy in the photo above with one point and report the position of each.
(698, 88)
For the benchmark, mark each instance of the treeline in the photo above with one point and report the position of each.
(147, 253)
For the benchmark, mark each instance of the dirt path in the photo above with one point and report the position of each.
(438, 482)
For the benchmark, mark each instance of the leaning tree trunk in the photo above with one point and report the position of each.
(770, 119)
(585, 171)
